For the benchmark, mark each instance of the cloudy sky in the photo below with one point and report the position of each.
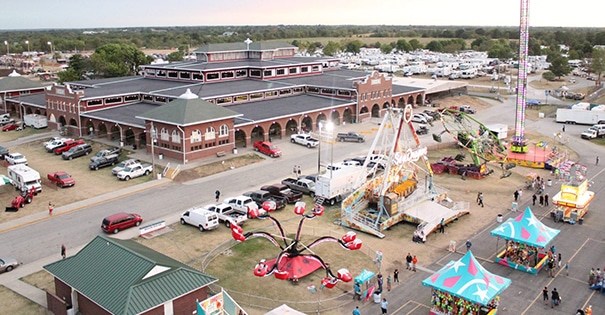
(44, 14)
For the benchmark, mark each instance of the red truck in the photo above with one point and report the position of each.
(267, 148)
(61, 179)
(67, 145)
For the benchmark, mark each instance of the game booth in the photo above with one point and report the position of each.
(526, 240)
(464, 287)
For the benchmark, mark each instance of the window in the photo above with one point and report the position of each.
(293, 70)
(255, 73)
(160, 73)
(185, 75)
(241, 73)
(312, 90)
(95, 102)
(212, 76)
(315, 69)
(176, 136)
(173, 74)
(327, 91)
(270, 93)
(113, 100)
(210, 134)
(241, 98)
(198, 77)
(285, 92)
(160, 99)
(268, 73)
(196, 136)
(223, 100)
(256, 96)
(223, 131)
(281, 71)
(150, 72)
(164, 134)
(148, 98)
(227, 74)
(130, 98)
(298, 90)
(304, 69)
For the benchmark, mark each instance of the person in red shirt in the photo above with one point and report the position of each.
(414, 262)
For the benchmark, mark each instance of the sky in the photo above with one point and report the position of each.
(62, 14)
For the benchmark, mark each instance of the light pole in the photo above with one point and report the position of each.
(319, 124)
(153, 135)
(28, 52)
(7, 48)
(330, 128)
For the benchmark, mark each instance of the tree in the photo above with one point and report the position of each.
(403, 45)
(331, 48)
(117, 60)
(175, 56)
(597, 64)
(68, 75)
(559, 66)
(415, 44)
(386, 48)
(353, 46)
(434, 46)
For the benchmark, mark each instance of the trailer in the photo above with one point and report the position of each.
(334, 186)
(500, 130)
(580, 116)
(35, 121)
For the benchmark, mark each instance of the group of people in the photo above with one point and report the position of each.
(521, 253)
(411, 262)
(443, 303)
(555, 298)
(419, 236)
(595, 278)
(543, 200)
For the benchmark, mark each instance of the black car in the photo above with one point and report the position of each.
(3, 152)
(77, 151)
(103, 162)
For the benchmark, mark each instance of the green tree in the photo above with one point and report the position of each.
(415, 44)
(175, 56)
(386, 48)
(403, 45)
(559, 66)
(331, 48)
(353, 46)
(68, 75)
(597, 63)
(117, 60)
(434, 46)
(548, 76)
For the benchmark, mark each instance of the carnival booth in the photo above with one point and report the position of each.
(574, 198)
(526, 240)
(364, 280)
(464, 287)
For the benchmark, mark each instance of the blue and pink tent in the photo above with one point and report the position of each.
(466, 279)
(526, 229)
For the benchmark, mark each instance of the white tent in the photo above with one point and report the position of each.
(284, 310)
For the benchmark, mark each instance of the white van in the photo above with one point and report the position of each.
(202, 219)
(24, 177)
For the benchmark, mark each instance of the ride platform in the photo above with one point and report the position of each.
(539, 156)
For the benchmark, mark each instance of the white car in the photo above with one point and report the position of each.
(428, 117)
(124, 164)
(15, 158)
(8, 264)
(417, 118)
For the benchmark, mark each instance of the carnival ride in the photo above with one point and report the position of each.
(400, 192)
(292, 262)
(473, 136)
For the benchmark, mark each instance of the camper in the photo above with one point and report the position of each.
(24, 177)
(35, 121)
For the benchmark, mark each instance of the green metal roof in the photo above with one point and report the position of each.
(242, 46)
(18, 83)
(188, 109)
(125, 277)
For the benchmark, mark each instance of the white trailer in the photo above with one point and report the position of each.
(35, 121)
(580, 116)
(338, 185)
(500, 130)
(24, 177)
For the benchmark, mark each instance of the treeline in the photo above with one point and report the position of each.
(500, 41)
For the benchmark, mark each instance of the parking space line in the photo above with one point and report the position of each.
(418, 304)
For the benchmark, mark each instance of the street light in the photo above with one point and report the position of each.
(7, 48)
(319, 124)
(27, 42)
(330, 128)
(153, 135)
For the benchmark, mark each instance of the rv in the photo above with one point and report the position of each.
(24, 177)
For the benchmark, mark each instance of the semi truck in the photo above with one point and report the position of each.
(35, 121)
(334, 186)
(580, 116)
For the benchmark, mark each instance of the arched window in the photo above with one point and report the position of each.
(164, 134)
(210, 134)
(176, 136)
(196, 136)
(223, 131)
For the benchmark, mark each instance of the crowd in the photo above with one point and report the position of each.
(521, 254)
(444, 303)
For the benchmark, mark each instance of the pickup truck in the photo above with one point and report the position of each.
(134, 171)
(61, 179)
(106, 154)
(466, 109)
(267, 148)
(350, 136)
(123, 165)
(303, 185)
(67, 145)
(227, 214)
(261, 196)
(243, 204)
(56, 143)
(15, 158)
(281, 190)
(103, 162)
(304, 139)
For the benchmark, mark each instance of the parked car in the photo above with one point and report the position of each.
(15, 158)
(7, 264)
(56, 143)
(3, 152)
(77, 151)
(12, 126)
(120, 221)
(350, 136)
(201, 218)
(122, 165)
(61, 179)
(428, 117)
(267, 148)
(419, 119)
(67, 145)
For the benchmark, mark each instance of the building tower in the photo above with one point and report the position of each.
(519, 144)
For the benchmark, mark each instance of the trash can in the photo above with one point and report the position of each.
(499, 218)
(549, 182)
(159, 176)
(161, 156)
(581, 221)
(234, 150)
(377, 297)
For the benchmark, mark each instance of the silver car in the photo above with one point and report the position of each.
(8, 264)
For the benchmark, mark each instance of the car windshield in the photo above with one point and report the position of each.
(17, 156)
(64, 176)
(273, 147)
(123, 164)
(128, 169)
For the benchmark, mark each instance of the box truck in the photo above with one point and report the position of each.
(580, 116)
(35, 121)
(24, 177)
(334, 187)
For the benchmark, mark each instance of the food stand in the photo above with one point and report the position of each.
(574, 198)
(464, 287)
(526, 240)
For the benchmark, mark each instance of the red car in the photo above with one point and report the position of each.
(267, 148)
(62, 179)
(67, 145)
(120, 221)
(11, 126)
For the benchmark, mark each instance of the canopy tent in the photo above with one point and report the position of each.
(527, 229)
(467, 279)
(283, 310)
(4, 180)
(533, 102)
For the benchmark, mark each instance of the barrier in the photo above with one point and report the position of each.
(152, 227)
(222, 153)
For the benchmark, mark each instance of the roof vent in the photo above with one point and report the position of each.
(188, 95)
(14, 74)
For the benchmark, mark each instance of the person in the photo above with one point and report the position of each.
(423, 236)
(217, 195)
(442, 226)
(481, 199)
(356, 311)
(63, 251)
(533, 199)
(545, 295)
(559, 260)
(408, 260)
(298, 170)
(384, 305)
(414, 262)
(516, 195)
(380, 280)
(295, 170)
(567, 268)
(468, 245)
(396, 276)
(551, 267)
(478, 197)
(597, 161)
(357, 291)
(389, 283)
(546, 200)
(555, 298)
(541, 200)
(563, 128)
(50, 208)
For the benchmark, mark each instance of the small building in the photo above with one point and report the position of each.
(111, 276)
